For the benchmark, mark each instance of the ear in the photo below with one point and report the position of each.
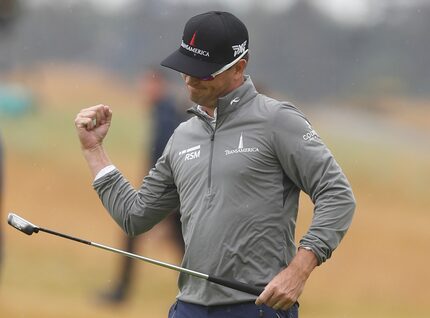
(239, 68)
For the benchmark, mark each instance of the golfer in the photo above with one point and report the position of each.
(235, 170)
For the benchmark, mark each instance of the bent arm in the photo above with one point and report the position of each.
(311, 167)
(137, 211)
(309, 164)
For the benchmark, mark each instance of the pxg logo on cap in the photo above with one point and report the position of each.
(210, 41)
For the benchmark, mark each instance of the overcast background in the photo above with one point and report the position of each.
(304, 49)
(359, 70)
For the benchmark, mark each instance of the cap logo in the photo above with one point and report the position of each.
(239, 49)
(194, 49)
(193, 39)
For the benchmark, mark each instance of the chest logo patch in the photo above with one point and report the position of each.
(191, 153)
(240, 148)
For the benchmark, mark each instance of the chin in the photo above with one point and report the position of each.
(196, 99)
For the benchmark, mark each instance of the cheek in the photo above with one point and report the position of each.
(222, 88)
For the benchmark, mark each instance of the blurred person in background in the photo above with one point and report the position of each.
(1, 198)
(166, 114)
(8, 12)
(236, 169)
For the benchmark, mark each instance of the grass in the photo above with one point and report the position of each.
(380, 269)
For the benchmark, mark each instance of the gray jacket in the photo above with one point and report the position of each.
(238, 188)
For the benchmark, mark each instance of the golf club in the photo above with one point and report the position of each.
(29, 228)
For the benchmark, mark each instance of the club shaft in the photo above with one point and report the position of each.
(128, 254)
(69, 237)
(152, 261)
(217, 280)
(211, 278)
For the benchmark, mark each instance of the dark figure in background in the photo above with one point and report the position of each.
(165, 118)
(1, 198)
(8, 12)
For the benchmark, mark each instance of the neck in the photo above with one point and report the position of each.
(209, 110)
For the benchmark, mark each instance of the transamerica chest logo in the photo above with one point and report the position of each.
(240, 148)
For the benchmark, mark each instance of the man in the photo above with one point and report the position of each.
(236, 170)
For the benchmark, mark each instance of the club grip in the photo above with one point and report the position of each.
(236, 285)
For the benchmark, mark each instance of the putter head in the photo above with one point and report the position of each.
(20, 224)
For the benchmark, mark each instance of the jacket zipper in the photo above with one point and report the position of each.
(212, 139)
(210, 163)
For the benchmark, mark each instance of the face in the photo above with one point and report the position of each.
(207, 92)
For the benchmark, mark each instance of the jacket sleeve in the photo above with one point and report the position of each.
(137, 211)
(309, 164)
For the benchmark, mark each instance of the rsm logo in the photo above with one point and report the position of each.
(192, 155)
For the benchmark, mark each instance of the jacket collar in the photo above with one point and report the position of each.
(237, 97)
(233, 100)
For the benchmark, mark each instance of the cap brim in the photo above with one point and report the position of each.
(188, 65)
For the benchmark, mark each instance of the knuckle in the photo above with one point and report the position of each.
(284, 294)
(277, 290)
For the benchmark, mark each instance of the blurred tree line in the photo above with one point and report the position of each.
(298, 51)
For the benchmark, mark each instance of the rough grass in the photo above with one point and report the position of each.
(380, 270)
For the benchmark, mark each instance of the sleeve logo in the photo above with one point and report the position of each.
(312, 134)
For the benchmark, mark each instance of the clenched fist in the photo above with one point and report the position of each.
(92, 125)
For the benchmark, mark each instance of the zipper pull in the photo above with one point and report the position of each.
(260, 312)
